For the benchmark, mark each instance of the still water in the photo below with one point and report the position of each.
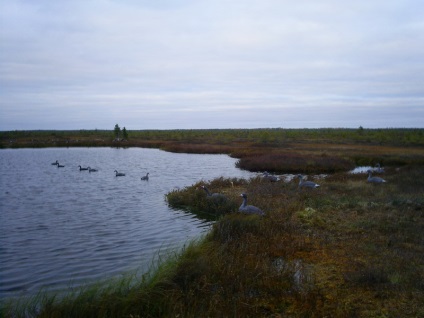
(61, 227)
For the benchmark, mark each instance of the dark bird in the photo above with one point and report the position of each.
(55, 163)
(60, 166)
(249, 209)
(91, 170)
(306, 184)
(81, 169)
(372, 179)
(146, 177)
(119, 174)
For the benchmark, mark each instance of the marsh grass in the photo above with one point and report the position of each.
(346, 249)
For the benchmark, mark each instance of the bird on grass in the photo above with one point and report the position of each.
(214, 196)
(306, 184)
(270, 177)
(119, 174)
(375, 180)
(82, 169)
(378, 168)
(146, 177)
(249, 209)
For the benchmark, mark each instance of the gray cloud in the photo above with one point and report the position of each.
(211, 64)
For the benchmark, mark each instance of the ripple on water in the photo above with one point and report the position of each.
(63, 227)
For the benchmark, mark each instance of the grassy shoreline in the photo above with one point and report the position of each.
(346, 249)
(275, 150)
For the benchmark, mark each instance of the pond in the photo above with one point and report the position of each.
(62, 227)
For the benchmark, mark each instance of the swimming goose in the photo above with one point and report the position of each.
(215, 196)
(59, 165)
(55, 163)
(146, 177)
(91, 170)
(306, 184)
(372, 179)
(119, 174)
(81, 169)
(270, 177)
(249, 209)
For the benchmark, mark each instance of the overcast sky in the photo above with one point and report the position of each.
(166, 64)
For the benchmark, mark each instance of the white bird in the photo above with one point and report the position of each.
(119, 174)
(146, 177)
(249, 209)
(306, 184)
(81, 168)
(91, 170)
(55, 163)
(270, 177)
(215, 196)
(372, 179)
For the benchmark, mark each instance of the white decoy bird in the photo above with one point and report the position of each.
(146, 177)
(91, 170)
(215, 196)
(270, 177)
(306, 184)
(55, 163)
(249, 209)
(372, 179)
(119, 174)
(82, 169)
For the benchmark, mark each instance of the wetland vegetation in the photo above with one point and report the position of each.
(346, 249)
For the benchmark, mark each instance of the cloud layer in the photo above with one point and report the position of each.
(211, 64)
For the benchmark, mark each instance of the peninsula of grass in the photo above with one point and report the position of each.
(346, 249)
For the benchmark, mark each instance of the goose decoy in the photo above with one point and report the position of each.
(91, 170)
(55, 163)
(372, 179)
(378, 168)
(306, 184)
(249, 209)
(81, 168)
(119, 174)
(215, 196)
(146, 177)
(270, 177)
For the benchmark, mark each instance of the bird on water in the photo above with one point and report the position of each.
(306, 184)
(372, 179)
(146, 177)
(249, 209)
(119, 174)
(91, 169)
(81, 168)
(55, 163)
